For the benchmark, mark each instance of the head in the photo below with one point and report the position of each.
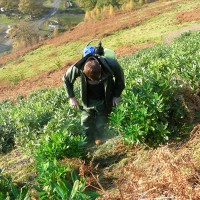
(92, 70)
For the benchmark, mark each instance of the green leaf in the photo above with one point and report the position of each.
(40, 192)
(92, 195)
(14, 190)
(68, 185)
(74, 176)
(74, 189)
(59, 191)
(24, 193)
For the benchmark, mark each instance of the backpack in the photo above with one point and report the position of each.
(99, 50)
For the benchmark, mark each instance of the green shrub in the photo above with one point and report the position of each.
(44, 111)
(7, 126)
(10, 191)
(54, 183)
(58, 145)
(153, 108)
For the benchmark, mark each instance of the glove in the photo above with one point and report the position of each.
(116, 100)
(73, 102)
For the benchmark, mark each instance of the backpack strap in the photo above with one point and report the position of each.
(79, 64)
(104, 62)
(97, 57)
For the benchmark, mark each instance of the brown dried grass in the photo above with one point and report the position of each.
(188, 16)
(191, 101)
(128, 50)
(168, 172)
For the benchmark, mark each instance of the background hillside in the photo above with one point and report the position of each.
(43, 65)
(152, 146)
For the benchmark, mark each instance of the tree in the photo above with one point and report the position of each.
(55, 32)
(141, 2)
(111, 10)
(102, 3)
(87, 5)
(130, 5)
(32, 7)
(25, 36)
(96, 13)
(87, 16)
(9, 4)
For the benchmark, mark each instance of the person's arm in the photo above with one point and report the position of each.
(116, 70)
(116, 100)
(73, 102)
(69, 79)
(119, 80)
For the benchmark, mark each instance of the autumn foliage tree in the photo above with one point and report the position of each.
(25, 36)
(31, 7)
(9, 4)
(98, 14)
(129, 5)
(98, 9)
(111, 10)
(89, 5)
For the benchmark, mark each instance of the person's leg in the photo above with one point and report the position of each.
(101, 120)
(88, 124)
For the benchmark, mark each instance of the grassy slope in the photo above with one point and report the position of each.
(157, 23)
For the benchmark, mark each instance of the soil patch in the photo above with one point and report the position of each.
(127, 50)
(172, 35)
(193, 15)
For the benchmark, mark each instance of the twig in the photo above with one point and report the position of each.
(93, 187)
(159, 198)
(98, 182)
(147, 191)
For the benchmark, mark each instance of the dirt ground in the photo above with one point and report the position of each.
(172, 35)
(54, 78)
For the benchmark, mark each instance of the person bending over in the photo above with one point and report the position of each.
(101, 83)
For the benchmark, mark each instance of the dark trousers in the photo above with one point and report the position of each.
(94, 119)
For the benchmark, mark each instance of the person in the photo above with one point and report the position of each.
(101, 83)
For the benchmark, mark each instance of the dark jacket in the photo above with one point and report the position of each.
(113, 79)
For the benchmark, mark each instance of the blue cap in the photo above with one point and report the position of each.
(88, 50)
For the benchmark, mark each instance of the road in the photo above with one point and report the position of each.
(55, 7)
(6, 43)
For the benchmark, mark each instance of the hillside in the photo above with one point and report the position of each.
(151, 149)
(45, 132)
(29, 69)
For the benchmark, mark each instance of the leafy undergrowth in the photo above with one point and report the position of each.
(117, 171)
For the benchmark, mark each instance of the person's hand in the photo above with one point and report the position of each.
(73, 102)
(116, 100)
